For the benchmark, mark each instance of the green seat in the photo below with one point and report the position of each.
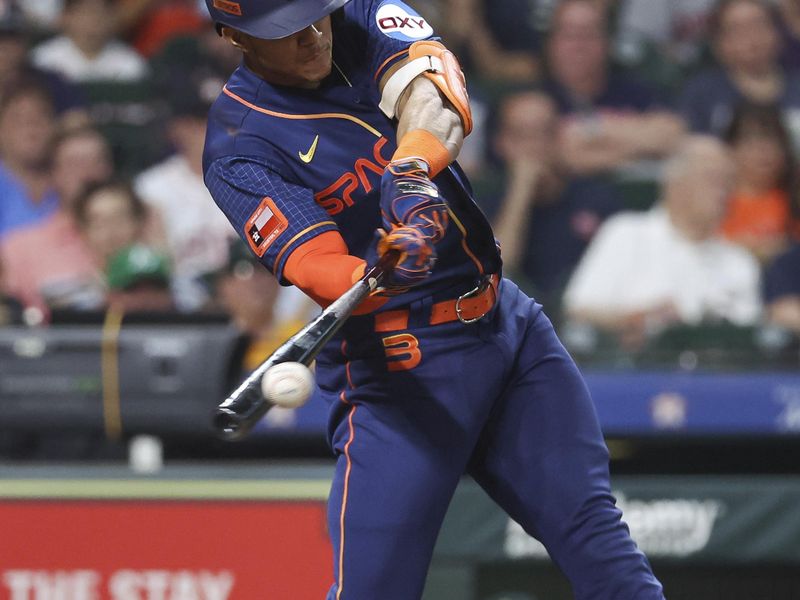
(719, 345)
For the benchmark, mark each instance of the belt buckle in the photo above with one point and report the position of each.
(478, 289)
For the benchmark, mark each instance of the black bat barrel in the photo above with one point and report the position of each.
(234, 421)
(237, 415)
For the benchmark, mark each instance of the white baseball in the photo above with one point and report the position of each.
(287, 384)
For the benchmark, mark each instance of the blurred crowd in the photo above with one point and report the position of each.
(638, 159)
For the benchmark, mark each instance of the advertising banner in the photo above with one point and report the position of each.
(727, 520)
(163, 550)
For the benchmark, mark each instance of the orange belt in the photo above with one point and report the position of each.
(467, 308)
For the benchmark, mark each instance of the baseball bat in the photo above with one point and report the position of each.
(240, 411)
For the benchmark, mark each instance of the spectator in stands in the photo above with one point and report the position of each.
(545, 219)
(41, 15)
(68, 278)
(789, 26)
(764, 211)
(80, 157)
(250, 294)
(87, 50)
(138, 280)
(645, 271)
(151, 24)
(27, 126)
(496, 39)
(196, 232)
(15, 69)
(782, 290)
(747, 46)
(663, 34)
(201, 63)
(10, 307)
(112, 219)
(609, 119)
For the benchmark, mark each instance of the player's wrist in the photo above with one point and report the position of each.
(423, 146)
(408, 166)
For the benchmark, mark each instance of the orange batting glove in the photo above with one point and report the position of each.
(416, 257)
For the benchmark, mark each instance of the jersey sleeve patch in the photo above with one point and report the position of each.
(264, 226)
(401, 22)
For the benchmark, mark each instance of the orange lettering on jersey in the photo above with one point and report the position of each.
(402, 352)
(376, 152)
(332, 203)
(339, 195)
(362, 166)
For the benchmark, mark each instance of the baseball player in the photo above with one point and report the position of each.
(344, 120)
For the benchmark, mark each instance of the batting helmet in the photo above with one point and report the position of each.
(270, 19)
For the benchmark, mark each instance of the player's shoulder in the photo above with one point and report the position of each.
(391, 18)
(235, 125)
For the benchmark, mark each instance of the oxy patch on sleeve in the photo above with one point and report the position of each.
(401, 22)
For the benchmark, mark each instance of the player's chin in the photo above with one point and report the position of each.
(317, 70)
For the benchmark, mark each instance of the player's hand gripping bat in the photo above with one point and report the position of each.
(237, 415)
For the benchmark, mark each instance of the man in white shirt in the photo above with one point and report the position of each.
(644, 271)
(87, 50)
(195, 232)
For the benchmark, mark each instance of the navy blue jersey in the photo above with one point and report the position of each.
(287, 164)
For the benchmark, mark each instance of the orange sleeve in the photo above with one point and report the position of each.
(323, 269)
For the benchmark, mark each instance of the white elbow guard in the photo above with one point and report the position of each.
(402, 78)
(440, 66)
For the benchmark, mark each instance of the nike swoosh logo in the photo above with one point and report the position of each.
(309, 156)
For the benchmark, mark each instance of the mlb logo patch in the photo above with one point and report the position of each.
(264, 226)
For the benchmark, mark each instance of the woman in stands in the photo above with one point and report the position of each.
(764, 211)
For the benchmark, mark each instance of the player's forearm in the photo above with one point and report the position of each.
(323, 270)
(422, 106)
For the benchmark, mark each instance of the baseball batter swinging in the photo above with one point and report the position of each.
(344, 120)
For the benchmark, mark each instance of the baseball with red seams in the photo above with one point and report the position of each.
(288, 384)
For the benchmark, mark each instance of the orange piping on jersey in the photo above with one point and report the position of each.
(281, 115)
(464, 241)
(302, 233)
(387, 61)
(343, 350)
(349, 376)
(344, 501)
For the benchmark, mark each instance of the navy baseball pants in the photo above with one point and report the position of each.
(499, 399)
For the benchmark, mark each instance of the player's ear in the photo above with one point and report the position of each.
(234, 37)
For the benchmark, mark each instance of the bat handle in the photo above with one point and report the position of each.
(381, 270)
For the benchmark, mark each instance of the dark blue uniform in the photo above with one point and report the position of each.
(417, 398)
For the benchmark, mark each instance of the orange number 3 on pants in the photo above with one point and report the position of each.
(402, 352)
